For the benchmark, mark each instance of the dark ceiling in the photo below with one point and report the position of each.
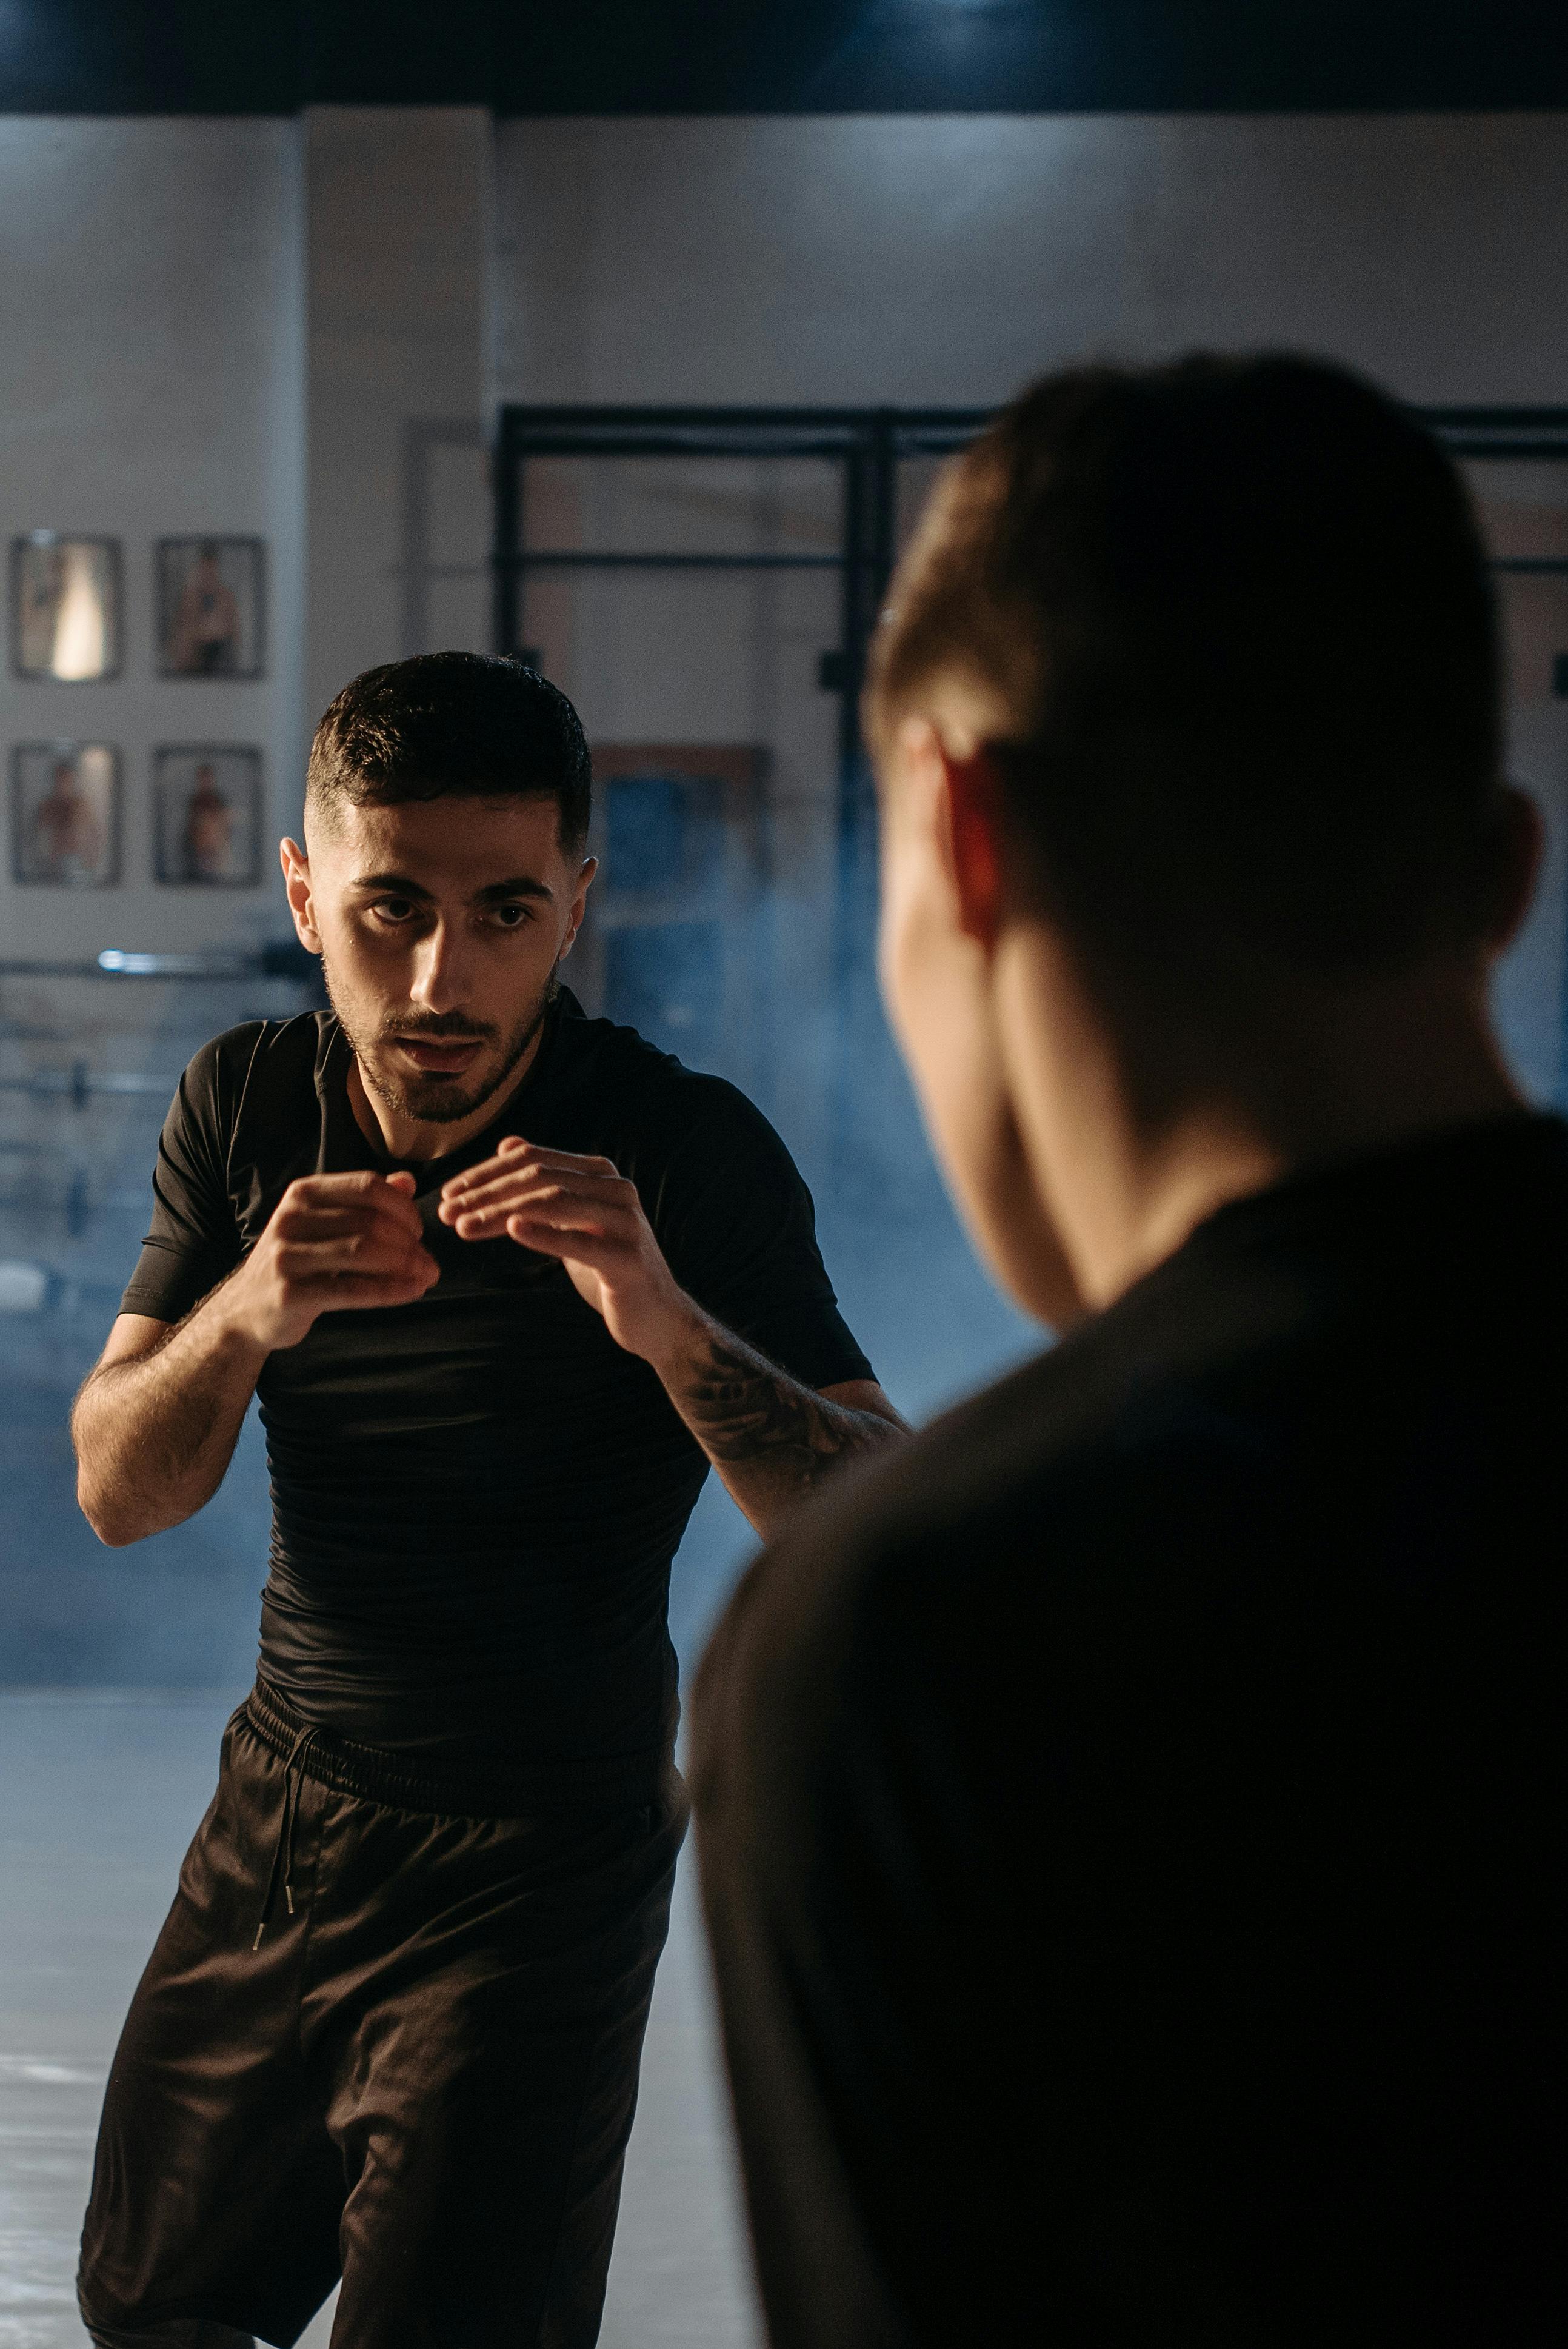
(813, 57)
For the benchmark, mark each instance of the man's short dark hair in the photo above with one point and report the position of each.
(443, 725)
(1235, 617)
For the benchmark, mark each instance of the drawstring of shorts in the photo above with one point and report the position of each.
(282, 1850)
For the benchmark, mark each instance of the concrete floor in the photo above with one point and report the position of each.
(102, 1789)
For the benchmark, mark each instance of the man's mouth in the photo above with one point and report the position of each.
(439, 1056)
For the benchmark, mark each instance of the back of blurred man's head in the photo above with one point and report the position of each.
(1232, 630)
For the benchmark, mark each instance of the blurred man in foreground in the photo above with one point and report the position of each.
(1132, 1823)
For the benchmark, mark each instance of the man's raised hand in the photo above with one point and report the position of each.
(156, 1422)
(584, 1212)
(335, 1242)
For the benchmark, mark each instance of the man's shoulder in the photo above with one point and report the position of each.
(1063, 1432)
(649, 1094)
(263, 1066)
(936, 1503)
(1037, 1513)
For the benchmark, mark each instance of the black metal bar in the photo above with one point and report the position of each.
(871, 537)
(936, 433)
(851, 643)
(639, 420)
(13, 968)
(632, 431)
(506, 590)
(694, 446)
(286, 961)
(176, 966)
(883, 546)
(850, 667)
(1546, 565)
(872, 551)
(414, 618)
(682, 432)
(565, 560)
(1487, 419)
(1534, 452)
(676, 433)
(76, 1086)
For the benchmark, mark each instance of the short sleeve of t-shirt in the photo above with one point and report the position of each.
(193, 1241)
(737, 1228)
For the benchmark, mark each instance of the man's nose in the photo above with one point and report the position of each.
(440, 975)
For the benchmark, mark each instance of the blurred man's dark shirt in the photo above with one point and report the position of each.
(1132, 1817)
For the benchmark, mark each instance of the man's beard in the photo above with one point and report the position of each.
(440, 1101)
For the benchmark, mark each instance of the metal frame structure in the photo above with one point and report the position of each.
(869, 443)
(866, 442)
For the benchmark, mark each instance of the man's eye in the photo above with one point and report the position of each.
(391, 909)
(512, 918)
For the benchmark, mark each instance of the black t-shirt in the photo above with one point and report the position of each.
(1132, 1819)
(475, 1497)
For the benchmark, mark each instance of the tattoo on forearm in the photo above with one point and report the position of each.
(746, 1412)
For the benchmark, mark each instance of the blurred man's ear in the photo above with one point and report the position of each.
(1517, 845)
(975, 843)
(587, 870)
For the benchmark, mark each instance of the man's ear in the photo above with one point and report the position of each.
(296, 881)
(975, 844)
(579, 903)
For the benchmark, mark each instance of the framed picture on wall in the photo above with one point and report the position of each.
(65, 815)
(207, 815)
(65, 606)
(211, 594)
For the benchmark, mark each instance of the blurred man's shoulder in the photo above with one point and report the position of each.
(1064, 1461)
(1333, 1394)
(898, 1558)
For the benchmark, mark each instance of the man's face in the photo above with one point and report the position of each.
(439, 924)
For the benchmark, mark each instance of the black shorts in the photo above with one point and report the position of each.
(420, 2078)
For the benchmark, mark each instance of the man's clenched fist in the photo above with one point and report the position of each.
(335, 1242)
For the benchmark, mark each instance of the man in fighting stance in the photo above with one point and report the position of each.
(505, 1280)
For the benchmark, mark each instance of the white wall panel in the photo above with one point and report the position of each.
(151, 383)
(945, 258)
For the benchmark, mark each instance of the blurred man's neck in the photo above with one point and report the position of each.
(1135, 1141)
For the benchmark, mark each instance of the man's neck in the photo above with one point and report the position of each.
(422, 1139)
(1332, 1076)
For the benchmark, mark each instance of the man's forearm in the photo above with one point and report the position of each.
(771, 1439)
(155, 1432)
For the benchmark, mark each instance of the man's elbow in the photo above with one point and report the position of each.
(112, 1523)
(107, 1506)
